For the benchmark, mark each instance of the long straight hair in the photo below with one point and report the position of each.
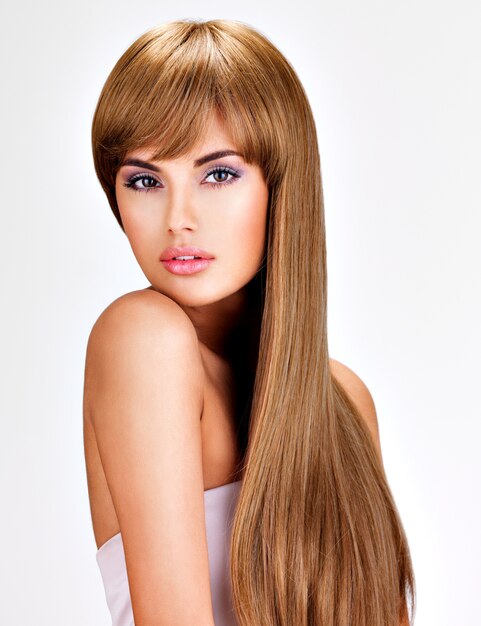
(316, 537)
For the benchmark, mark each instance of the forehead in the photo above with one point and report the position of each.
(216, 136)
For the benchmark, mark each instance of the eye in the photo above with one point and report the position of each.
(147, 181)
(223, 173)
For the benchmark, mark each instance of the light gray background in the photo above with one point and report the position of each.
(395, 89)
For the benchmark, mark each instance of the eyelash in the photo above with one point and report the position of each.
(130, 184)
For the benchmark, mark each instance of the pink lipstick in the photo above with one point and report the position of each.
(185, 260)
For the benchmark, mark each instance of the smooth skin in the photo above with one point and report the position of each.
(223, 213)
(157, 382)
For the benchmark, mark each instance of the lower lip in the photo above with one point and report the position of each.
(191, 266)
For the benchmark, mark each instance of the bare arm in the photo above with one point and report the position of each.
(144, 388)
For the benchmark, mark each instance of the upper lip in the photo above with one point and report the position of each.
(171, 252)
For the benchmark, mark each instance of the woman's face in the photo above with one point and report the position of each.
(218, 204)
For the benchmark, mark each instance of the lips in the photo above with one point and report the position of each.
(174, 251)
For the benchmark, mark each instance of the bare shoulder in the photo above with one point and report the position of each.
(140, 312)
(361, 397)
(139, 325)
(144, 397)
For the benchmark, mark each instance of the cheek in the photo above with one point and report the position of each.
(135, 213)
(251, 224)
(137, 225)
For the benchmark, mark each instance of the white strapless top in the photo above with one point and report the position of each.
(219, 511)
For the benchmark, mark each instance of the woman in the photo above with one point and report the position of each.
(235, 472)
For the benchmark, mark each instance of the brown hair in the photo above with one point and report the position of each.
(316, 538)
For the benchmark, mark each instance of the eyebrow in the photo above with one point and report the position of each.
(197, 163)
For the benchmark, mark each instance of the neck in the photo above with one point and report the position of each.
(229, 327)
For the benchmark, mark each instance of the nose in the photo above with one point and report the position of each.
(179, 211)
